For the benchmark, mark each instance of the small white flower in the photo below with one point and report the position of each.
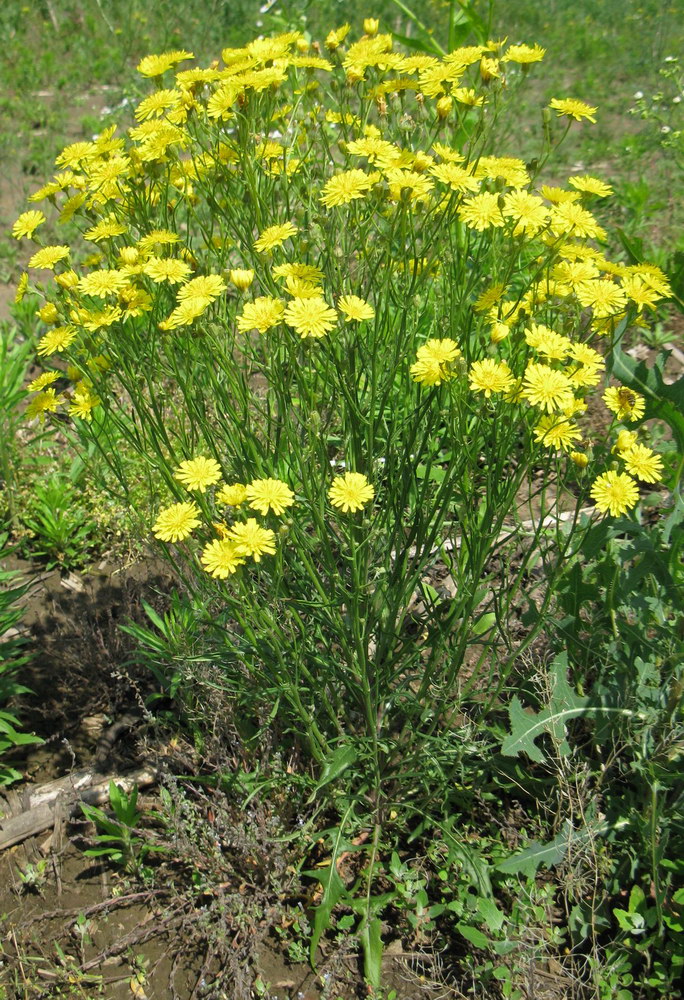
(676, 100)
(665, 129)
(638, 95)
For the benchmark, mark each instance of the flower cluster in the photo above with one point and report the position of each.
(210, 140)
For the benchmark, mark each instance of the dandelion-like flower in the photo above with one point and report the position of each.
(482, 211)
(351, 492)
(232, 495)
(221, 558)
(556, 432)
(624, 403)
(48, 257)
(274, 236)
(434, 360)
(176, 522)
(346, 186)
(591, 185)
(198, 473)
(269, 494)
(355, 308)
(167, 269)
(262, 314)
(310, 317)
(252, 540)
(47, 378)
(546, 387)
(42, 403)
(643, 463)
(573, 108)
(615, 492)
(604, 297)
(56, 340)
(242, 278)
(27, 223)
(489, 376)
(83, 402)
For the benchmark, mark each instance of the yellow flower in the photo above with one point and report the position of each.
(526, 210)
(198, 473)
(616, 492)
(604, 297)
(351, 492)
(546, 387)
(355, 308)
(83, 402)
(208, 286)
(104, 230)
(591, 185)
(490, 376)
(221, 558)
(625, 440)
(434, 360)
(47, 378)
(444, 105)
(408, 184)
(42, 403)
(102, 283)
(269, 494)
(157, 103)
(232, 495)
(573, 108)
(166, 269)
(454, 176)
(569, 217)
(306, 272)
(346, 186)
(27, 223)
(48, 257)
(176, 522)
(274, 236)
(242, 278)
(252, 540)
(556, 432)
(48, 313)
(22, 286)
(643, 463)
(523, 54)
(311, 317)
(624, 403)
(580, 459)
(56, 340)
(156, 65)
(371, 25)
(482, 211)
(262, 314)
(335, 38)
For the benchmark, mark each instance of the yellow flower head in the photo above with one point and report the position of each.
(198, 473)
(573, 108)
(242, 278)
(346, 186)
(274, 236)
(624, 403)
(355, 308)
(232, 495)
(643, 463)
(221, 558)
(547, 388)
(262, 314)
(489, 376)
(27, 223)
(269, 494)
(252, 540)
(48, 257)
(350, 492)
(310, 317)
(176, 522)
(615, 492)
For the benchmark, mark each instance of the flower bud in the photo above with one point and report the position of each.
(444, 106)
(580, 459)
(48, 313)
(371, 25)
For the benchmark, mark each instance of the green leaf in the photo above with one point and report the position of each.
(528, 861)
(526, 725)
(336, 764)
(484, 624)
(473, 935)
(371, 942)
(491, 914)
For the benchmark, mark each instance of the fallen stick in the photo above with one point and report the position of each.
(67, 794)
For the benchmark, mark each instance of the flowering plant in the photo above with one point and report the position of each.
(356, 345)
